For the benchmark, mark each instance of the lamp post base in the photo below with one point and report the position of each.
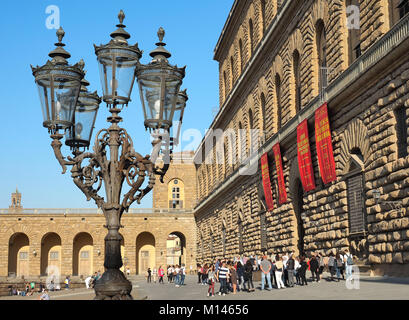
(113, 285)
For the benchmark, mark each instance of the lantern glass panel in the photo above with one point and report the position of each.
(117, 72)
(152, 82)
(85, 115)
(58, 96)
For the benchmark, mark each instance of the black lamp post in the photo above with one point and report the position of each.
(69, 108)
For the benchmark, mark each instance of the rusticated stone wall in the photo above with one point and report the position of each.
(364, 136)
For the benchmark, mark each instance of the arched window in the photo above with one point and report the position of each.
(232, 69)
(278, 98)
(263, 111)
(176, 194)
(225, 84)
(397, 10)
(240, 235)
(322, 56)
(297, 80)
(251, 35)
(242, 61)
(251, 136)
(263, 14)
(354, 30)
(242, 142)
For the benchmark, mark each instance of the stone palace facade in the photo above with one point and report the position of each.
(280, 61)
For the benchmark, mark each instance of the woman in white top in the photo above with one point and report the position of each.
(279, 272)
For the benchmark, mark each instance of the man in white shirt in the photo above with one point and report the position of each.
(88, 281)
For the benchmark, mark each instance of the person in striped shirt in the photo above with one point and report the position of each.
(222, 276)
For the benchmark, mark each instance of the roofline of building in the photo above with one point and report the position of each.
(227, 24)
(270, 32)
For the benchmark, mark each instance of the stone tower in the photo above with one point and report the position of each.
(16, 201)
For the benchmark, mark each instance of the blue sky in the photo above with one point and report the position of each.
(27, 160)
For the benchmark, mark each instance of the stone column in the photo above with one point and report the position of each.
(66, 259)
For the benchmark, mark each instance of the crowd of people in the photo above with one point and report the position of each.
(278, 271)
(175, 274)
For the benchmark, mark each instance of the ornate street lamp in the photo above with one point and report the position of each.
(159, 85)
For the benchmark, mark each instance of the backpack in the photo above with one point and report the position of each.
(350, 261)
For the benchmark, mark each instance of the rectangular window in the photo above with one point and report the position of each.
(23, 255)
(401, 131)
(84, 254)
(357, 222)
(403, 8)
(54, 255)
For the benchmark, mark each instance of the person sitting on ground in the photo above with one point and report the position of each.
(45, 295)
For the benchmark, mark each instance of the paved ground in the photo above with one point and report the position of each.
(370, 288)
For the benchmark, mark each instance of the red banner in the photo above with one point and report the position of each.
(304, 157)
(266, 182)
(324, 145)
(282, 193)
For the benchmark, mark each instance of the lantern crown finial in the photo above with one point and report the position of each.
(59, 54)
(120, 35)
(161, 34)
(60, 34)
(160, 53)
(121, 16)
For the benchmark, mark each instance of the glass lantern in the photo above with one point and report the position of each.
(117, 62)
(178, 116)
(58, 86)
(79, 135)
(159, 84)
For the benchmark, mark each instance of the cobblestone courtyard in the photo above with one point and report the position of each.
(370, 288)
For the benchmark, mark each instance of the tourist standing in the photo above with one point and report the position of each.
(182, 275)
(297, 266)
(290, 271)
(303, 270)
(211, 281)
(338, 265)
(149, 275)
(199, 273)
(161, 273)
(279, 272)
(222, 276)
(248, 276)
(273, 273)
(177, 276)
(240, 275)
(284, 259)
(233, 278)
(314, 266)
(67, 282)
(349, 262)
(265, 267)
(331, 265)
